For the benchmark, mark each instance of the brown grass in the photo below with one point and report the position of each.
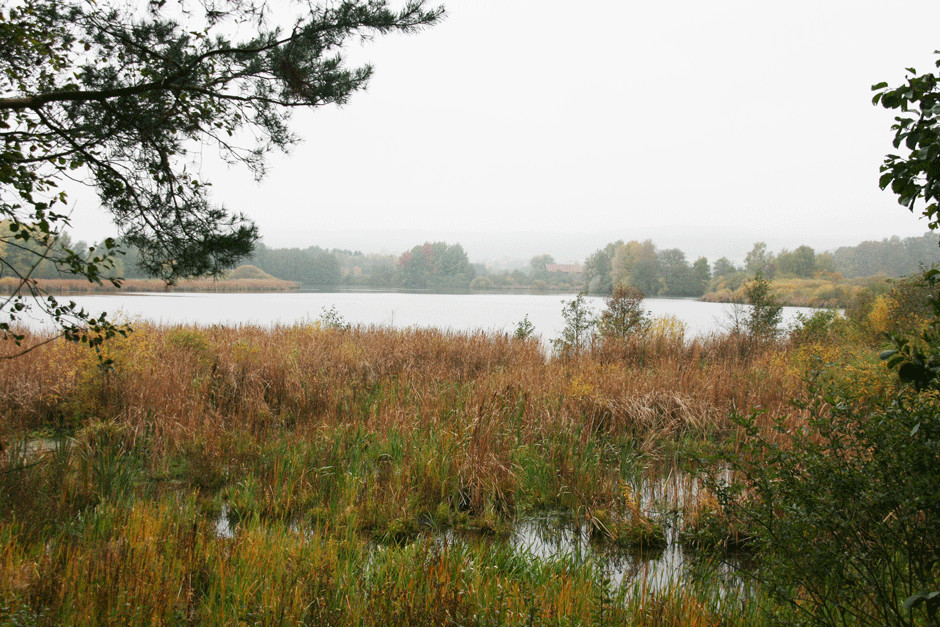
(177, 382)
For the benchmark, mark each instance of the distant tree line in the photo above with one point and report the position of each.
(668, 273)
(434, 266)
(537, 276)
(30, 258)
(892, 256)
(438, 266)
(640, 265)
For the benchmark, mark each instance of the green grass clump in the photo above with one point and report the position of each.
(630, 529)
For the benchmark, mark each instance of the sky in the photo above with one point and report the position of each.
(519, 127)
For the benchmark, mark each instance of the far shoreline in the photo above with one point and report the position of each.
(813, 293)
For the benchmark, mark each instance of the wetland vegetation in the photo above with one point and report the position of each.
(322, 473)
(325, 473)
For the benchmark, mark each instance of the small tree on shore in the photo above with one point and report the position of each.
(766, 312)
(525, 329)
(624, 313)
(579, 327)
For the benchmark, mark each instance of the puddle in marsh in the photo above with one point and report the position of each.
(556, 537)
(223, 525)
(552, 538)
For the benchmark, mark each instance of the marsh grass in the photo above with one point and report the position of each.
(337, 456)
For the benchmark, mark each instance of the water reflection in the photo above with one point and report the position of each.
(550, 538)
(223, 525)
(558, 538)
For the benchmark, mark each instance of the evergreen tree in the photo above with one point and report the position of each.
(116, 95)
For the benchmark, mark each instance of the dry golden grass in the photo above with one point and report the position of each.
(181, 382)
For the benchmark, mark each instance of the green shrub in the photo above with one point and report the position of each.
(333, 319)
(192, 340)
(819, 326)
(525, 329)
(845, 512)
(624, 313)
(579, 328)
(766, 311)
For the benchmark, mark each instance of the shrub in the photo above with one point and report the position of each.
(188, 339)
(819, 326)
(845, 512)
(579, 327)
(624, 313)
(766, 312)
(525, 329)
(333, 319)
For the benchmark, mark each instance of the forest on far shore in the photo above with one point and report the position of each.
(443, 267)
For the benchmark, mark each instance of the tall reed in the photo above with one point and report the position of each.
(331, 451)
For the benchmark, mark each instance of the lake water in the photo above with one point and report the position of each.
(460, 312)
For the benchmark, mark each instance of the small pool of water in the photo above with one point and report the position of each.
(555, 538)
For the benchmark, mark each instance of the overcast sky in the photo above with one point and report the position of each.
(525, 126)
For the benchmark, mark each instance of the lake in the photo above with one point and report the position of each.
(459, 312)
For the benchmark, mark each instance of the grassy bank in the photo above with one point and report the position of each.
(371, 476)
(820, 293)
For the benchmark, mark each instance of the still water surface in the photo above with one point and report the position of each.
(459, 312)
(558, 538)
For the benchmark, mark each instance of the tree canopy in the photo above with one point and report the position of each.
(436, 266)
(116, 96)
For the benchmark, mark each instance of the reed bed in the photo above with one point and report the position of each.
(181, 380)
(338, 455)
